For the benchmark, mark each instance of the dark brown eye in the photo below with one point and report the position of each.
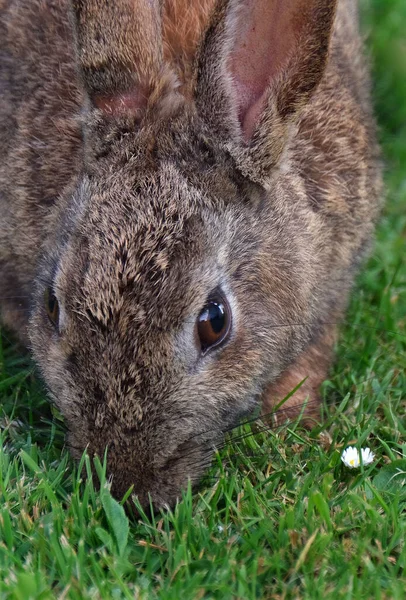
(213, 323)
(52, 307)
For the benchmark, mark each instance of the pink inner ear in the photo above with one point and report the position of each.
(132, 103)
(265, 38)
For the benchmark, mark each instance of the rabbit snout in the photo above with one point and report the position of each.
(160, 479)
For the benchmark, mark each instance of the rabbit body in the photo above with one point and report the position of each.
(137, 179)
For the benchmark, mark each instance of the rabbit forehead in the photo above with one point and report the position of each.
(136, 251)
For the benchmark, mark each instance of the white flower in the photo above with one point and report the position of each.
(367, 456)
(351, 457)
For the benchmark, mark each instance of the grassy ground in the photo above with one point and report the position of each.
(279, 516)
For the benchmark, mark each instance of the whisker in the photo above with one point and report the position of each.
(263, 428)
(269, 427)
(343, 322)
(47, 282)
(280, 413)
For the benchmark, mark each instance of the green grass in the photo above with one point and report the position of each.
(279, 516)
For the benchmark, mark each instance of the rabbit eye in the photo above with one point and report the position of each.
(213, 323)
(52, 307)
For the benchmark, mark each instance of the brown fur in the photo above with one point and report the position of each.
(184, 23)
(133, 196)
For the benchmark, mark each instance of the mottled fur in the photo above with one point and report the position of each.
(133, 196)
(184, 23)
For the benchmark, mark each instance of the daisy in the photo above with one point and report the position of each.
(351, 457)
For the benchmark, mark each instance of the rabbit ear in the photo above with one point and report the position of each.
(259, 63)
(120, 51)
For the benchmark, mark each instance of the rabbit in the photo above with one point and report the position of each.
(187, 192)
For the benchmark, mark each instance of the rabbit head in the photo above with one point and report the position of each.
(183, 245)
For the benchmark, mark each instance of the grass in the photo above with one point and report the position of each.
(279, 516)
